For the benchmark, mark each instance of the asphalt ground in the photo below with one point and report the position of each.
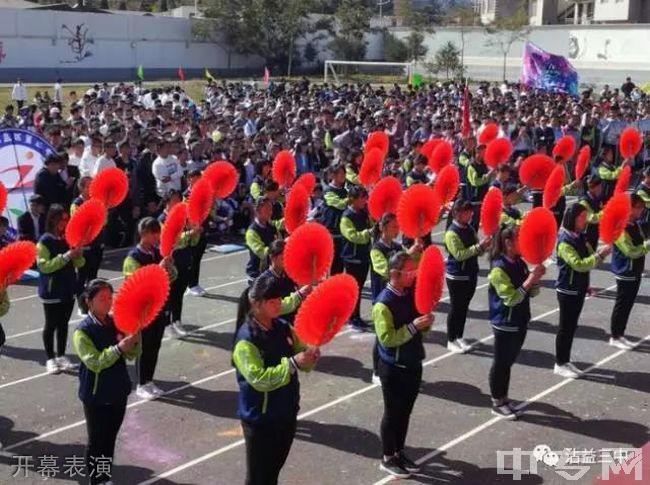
(192, 436)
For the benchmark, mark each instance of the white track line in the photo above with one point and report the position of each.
(37, 330)
(118, 278)
(180, 388)
(325, 406)
(522, 405)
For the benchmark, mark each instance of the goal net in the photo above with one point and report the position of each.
(340, 72)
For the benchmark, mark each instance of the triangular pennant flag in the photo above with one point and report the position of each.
(416, 80)
(267, 75)
(181, 74)
(209, 76)
(140, 72)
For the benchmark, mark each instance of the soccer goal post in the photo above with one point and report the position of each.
(337, 70)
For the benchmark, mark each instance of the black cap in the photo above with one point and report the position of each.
(36, 199)
(461, 205)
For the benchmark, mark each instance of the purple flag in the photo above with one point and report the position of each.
(548, 72)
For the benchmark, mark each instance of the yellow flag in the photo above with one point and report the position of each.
(209, 76)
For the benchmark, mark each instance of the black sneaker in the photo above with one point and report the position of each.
(393, 467)
(513, 407)
(504, 411)
(408, 464)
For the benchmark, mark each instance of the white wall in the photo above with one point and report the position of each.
(611, 10)
(36, 46)
(601, 53)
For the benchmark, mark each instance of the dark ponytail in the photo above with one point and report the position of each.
(381, 225)
(506, 233)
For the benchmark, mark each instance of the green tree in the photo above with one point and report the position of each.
(310, 53)
(464, 18)
(122, 5)
(447, 59)
(268, 28)
(103, 4)
(395, 50)
(507, 30)
(352, 22)
(162, 6)
(415, 45)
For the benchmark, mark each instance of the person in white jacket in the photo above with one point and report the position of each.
(167, 170)
(19, 94)
(107, 159)
(90, 157)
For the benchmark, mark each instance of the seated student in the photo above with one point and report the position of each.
(259, 236)
(7, 234)
(291, 296)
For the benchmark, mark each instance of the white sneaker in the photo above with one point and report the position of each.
(621, 343)
(376, 380)
(156, 390)
(65, 363)
(52, 366)
(176, 330)
(197, 291)
(455, 347)
(568, 371)
(146, 391)
(463, 344)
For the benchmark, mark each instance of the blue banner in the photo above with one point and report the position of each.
(548, 72)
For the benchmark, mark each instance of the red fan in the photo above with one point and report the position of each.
(497, 152)
(553, 187)
(582, 164)
(200, 202)
(297, 209)
(3, 197)
(86, 223)
(15, 259)
(491, 210)
(223, 177)
(319, 320)
(283, 170)
(538, 235)
(565, 148)
(427, 148)
(535, 170)
(308, 181)
(309, 253)
(110, 186)
(371, 167)
(442, 155)
(430, 280)
(418, 211)
(630, 142)
(489, 133)
(173, 228)
(616, 215)
(447, 183)
(623, 182)
(384, 197)
(378, 139)
(140, 299)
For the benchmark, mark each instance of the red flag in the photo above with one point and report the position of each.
(267, 75)
(466, 126)
(181, 74)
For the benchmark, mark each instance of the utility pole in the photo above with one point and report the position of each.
(380, 4)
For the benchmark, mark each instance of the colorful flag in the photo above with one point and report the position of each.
(181, 74)
(267, 75)
(209, 76)
(416, 80)
(466, 129)
(548, 72)
(140, 72)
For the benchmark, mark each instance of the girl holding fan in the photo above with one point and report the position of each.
(104, 383)
(575, 259)
(511, 287)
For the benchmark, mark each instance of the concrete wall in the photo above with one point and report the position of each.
(42, 45)
(601, 53)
